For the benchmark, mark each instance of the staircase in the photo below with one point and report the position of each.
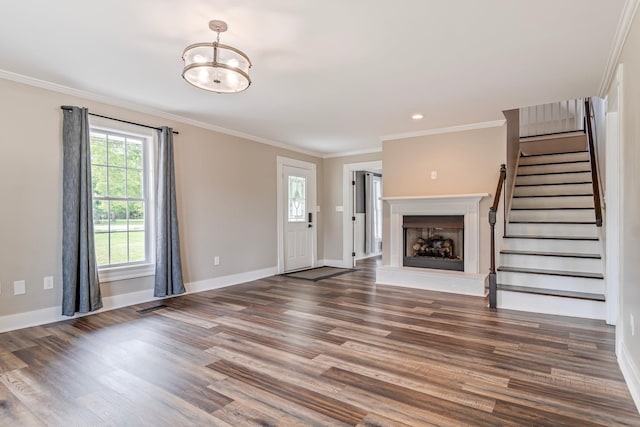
(551, 260)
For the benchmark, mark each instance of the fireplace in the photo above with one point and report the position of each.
(432, 241)
(393, 272)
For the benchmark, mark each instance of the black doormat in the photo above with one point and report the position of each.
(319, 273)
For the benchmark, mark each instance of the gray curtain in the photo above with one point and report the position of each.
(80, 286)
(168, 279)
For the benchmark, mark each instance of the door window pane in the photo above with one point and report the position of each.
(297, 198)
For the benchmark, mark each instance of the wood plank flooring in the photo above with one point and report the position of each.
(337, 352)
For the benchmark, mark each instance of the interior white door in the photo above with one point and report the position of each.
(298, 218)
(377, 213)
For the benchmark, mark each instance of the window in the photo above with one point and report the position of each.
(120, 172)
(297, 198)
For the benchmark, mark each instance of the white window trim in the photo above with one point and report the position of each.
(141, 269)
(113, 274)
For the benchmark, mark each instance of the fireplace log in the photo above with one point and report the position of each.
(436, 246)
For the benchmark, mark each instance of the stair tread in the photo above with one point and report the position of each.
(526, 236)
(552, 222)
(557, 254)
(556, 135)
(553, 183)
(556, 195)
(568, 208)
(553, 163)
(553, 154)
(552, 292)
(551, 272)
(552, 173)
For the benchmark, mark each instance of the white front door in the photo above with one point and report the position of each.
(298, 218)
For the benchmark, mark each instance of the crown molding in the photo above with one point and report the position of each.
(43, 84)
(353, 153)
(452, 129)
(624, 25)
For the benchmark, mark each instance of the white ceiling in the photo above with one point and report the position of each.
(329, 76)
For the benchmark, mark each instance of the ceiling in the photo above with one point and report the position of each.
(331, 76)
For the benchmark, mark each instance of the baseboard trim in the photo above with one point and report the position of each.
(52, 314)
(631, 374)
(367, 256)
(230, 280)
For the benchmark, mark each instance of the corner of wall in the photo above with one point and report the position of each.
(631, 373)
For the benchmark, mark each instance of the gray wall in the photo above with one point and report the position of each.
(466, 162)
(332, 186)
(226, 191)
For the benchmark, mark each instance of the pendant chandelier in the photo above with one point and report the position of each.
(216, 67)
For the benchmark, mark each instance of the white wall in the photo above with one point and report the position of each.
(629, 343)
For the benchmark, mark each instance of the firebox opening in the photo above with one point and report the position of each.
(434, 241)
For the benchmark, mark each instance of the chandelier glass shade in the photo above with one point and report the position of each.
(215, 66)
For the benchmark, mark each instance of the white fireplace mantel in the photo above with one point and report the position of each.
(468, 282)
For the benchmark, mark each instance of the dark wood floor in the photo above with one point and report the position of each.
(340, 351)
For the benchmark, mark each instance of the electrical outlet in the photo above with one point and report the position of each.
(48, 282)
(19, 287)
(434, 174)
(633, 324)
(216, 260)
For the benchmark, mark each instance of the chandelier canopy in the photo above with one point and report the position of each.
(216, 67)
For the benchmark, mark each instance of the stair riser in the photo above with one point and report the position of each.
(565, 215)
(578, 265)
(552, 202)
(554, 158)
(551, 305)
(563, 167)
(552, 190)
(544, 281)
(552, 230)
(547, 176)
(551, 245)
(564, 178)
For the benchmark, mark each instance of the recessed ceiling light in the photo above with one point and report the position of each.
(417, 116)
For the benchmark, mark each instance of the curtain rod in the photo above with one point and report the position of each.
(64, 107)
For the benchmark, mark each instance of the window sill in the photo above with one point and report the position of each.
(112, 274)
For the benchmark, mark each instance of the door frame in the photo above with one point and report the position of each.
(349, 261)
(281, 162)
